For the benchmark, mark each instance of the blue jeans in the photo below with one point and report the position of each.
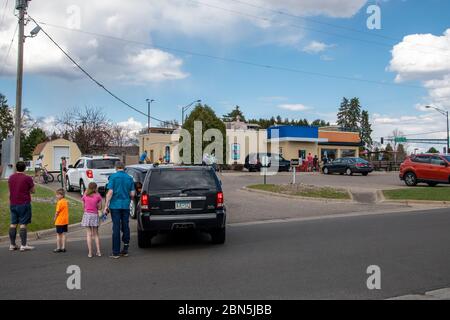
(120, 219)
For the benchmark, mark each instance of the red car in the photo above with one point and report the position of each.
(427, 168)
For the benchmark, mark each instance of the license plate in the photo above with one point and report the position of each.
(182, 205)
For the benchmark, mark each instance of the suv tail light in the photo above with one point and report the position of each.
(144, 201)
(90, 174)
(219, 200)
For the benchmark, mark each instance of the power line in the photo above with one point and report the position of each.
(92, 78)
(317, 30)
(236, 61)
(5, 59)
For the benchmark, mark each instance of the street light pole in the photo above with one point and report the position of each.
(185, 108)
(21, 5)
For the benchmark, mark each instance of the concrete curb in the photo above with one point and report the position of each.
(299, 197)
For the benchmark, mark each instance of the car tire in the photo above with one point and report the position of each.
(145, 239)
(218, 236)
(410, 179)
(82, 188)
(69, 188)
(326, 171)
(348, 172)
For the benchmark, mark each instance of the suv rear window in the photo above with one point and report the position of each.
(178, 179)
(102, 163)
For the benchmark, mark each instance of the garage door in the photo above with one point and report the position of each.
(58, 153)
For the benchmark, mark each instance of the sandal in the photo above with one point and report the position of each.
(89, 255)
(98, 254)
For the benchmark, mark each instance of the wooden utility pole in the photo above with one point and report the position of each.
(21, 6)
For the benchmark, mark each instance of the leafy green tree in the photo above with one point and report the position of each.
(366, 130)
(401, 152)
(36, 136)
(234, 115)
(209, 120)
(6, 118)
(432, 150)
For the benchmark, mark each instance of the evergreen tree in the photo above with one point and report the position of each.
(401, 152)
(343, 113)
(234, 115)
(6, 119)
(366, 130)
(432, 150)
(54, 136)
(389, 152)
(36, 136)
(354, 115)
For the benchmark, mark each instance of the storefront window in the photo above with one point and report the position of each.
(348, 153)
(331, 154)
(301, 154)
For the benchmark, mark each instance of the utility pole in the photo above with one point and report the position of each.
(149, 103)
(21, 5)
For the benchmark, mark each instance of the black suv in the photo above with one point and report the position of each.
(179, 198)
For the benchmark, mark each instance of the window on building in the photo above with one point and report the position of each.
(345, 153)
(301, 154)
(331, 154)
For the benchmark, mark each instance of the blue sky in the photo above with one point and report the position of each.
(174, 79)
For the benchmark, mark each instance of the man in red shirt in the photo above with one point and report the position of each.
(21, 187)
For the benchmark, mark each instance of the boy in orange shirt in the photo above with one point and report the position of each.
(61, 221)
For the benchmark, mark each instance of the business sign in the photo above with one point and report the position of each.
(400, 140)
(235, 151)
(295, 162)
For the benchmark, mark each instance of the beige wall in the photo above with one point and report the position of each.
(75, 153)
(156, 143)
(290, 149)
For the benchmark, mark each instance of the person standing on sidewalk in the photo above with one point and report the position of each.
(21, 187)
(120, 192)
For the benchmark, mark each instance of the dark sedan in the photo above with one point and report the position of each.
(348, 166)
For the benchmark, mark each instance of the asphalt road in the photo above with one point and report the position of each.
(317, 259)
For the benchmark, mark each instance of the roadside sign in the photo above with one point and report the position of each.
(295, 162)
(265, 161)
(400, 139)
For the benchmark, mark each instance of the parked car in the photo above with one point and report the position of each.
(426, 168)
(253, 162)
(90, 169)
(179, 198)
(348, 166)
(138, 172)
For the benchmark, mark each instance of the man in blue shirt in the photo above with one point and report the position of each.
(120, 192)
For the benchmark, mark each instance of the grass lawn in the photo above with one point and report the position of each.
(304, 191)
(43, 209)
(419, 193)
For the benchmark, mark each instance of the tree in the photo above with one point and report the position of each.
(389, 151)
(88, 128)
(354, 115)
(320, 123)
(54, 136)
(209, 120)
(234, 115)
(6, 119)
(29, 142)
(401, 152)
(432, 150)
(343, 113)
(366, 130)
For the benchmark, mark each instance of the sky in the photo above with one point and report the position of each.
(294, 58)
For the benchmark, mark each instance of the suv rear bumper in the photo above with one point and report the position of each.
(201, 221)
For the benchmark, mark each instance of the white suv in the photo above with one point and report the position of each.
(90, 169)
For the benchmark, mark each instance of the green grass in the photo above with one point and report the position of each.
(304, 191)
(419, 193)
(43, 209)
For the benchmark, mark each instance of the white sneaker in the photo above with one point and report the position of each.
(26, 248)
(13, 248)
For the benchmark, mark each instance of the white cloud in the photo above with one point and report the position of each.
(315, 47)
(140, 20)
(426, 58)
(294, 107)
(132, 125)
